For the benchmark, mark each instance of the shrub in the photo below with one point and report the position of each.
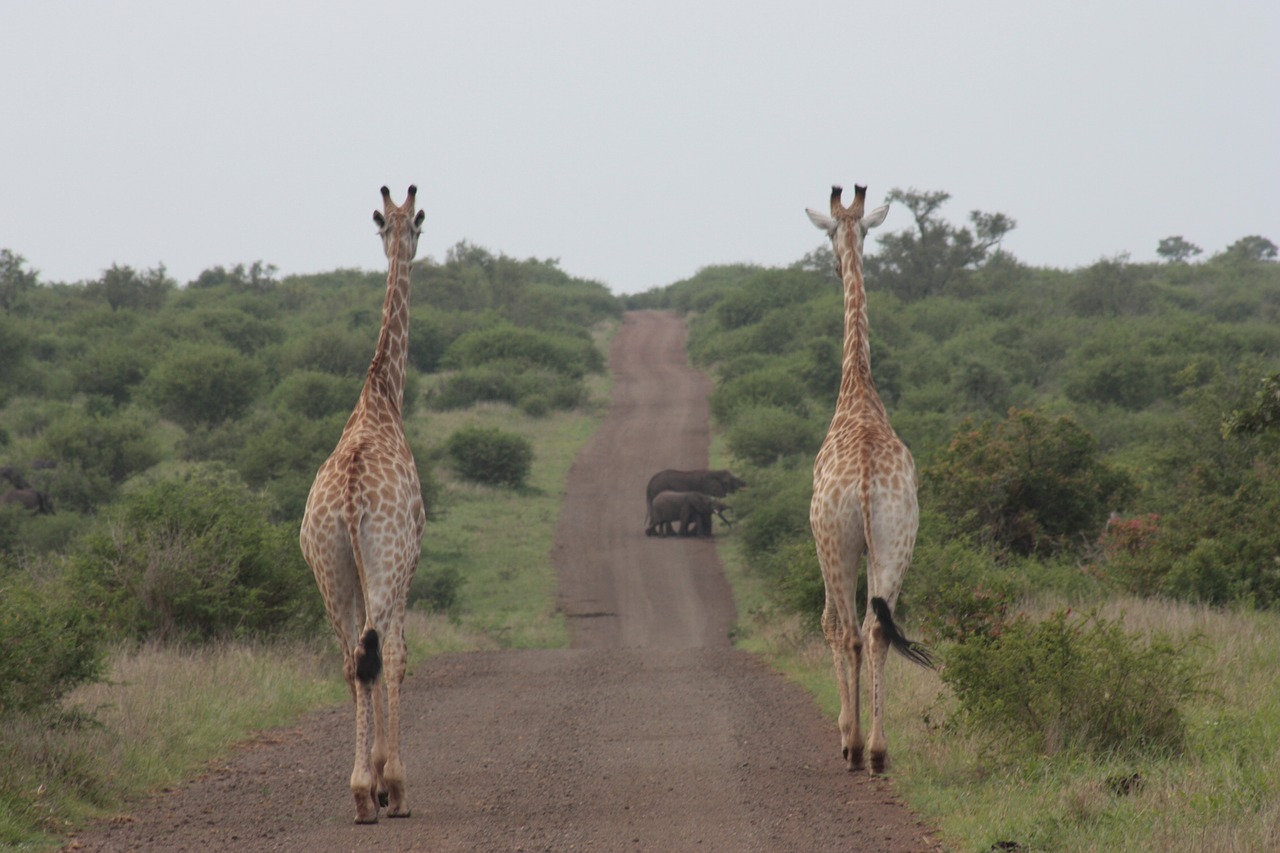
(797, 579)
(774, 386)
(1072, 682)
(436, 588)
(763, 434)
(563, 354)
(1029, 484)
(95, 453)
(204, 384)
(315, 395)
(195, 560)
(48, 644)
(113, 370)
(490, 456)
(507, 382)
(774, 510)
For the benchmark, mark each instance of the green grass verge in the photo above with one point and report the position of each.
(1221, 793)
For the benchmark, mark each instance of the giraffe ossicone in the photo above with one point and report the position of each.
(864, 504)
(362, 533)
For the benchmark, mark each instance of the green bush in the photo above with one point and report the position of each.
(507, 382)
(436, 588)
(204, 384)
(95, 453)
(315, 394)
(1073, 683)
(1030, 484)
(774, 386)
(195, 560)
(569, 356)
(113, 369)
(774, 510)
(48, 644)
(490, 456)
(764, 434)
(1212, 548)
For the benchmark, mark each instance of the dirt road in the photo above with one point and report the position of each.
(651, 733)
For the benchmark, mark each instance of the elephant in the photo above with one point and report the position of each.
(691, 511)
(30, 498)
(14, 476)
(714, 483)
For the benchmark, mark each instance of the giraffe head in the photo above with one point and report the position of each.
(398, 226)
(846, 226)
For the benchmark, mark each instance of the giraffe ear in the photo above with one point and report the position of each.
(377, 218)
(417, 220)
(821, 221)
(874, 218)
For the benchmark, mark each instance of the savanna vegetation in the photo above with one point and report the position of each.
(1096, 567)
(173, 432)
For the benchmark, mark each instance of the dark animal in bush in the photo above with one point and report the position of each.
(14, 476)
(36, 501)
(691, 511)
(715, 483)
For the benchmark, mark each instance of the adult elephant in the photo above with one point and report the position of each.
(717, 483)
(683, 513)
(31, 499)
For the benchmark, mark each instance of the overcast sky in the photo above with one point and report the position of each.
(636, 142)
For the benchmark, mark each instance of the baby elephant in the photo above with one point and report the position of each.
(692, 511)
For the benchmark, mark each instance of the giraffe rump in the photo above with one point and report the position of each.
(368, 657)
(909, 649)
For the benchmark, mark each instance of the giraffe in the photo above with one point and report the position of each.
(864, 502)
(362, 531)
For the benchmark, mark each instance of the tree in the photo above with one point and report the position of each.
(1261, 415)
(1252, 248)
(14, 280)
(933, 257)
(125, 288)
(1176, 250)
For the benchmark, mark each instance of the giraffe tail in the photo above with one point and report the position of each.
(368, 657)
(909, 649)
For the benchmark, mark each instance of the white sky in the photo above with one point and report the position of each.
(637, 142)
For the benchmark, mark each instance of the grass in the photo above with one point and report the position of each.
(164, 713)
(1221, 794)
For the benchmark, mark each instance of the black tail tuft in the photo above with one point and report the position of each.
(368, 657)
(909, 649)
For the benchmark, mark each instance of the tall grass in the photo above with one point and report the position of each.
(1221, 793)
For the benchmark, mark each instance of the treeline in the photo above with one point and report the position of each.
(1072, 428)
(172, 433)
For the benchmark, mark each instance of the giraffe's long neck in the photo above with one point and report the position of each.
(857, 388)
(386, 372)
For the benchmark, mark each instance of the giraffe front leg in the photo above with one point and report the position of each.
(847, 663)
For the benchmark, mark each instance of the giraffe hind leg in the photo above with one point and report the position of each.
(846, 653)
(364, 779)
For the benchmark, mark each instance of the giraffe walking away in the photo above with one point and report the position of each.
(362, 531)
(864, 503)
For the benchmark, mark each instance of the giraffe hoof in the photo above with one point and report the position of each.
(406, 812)
(879, 764)
(383, 799)
(853, 759)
